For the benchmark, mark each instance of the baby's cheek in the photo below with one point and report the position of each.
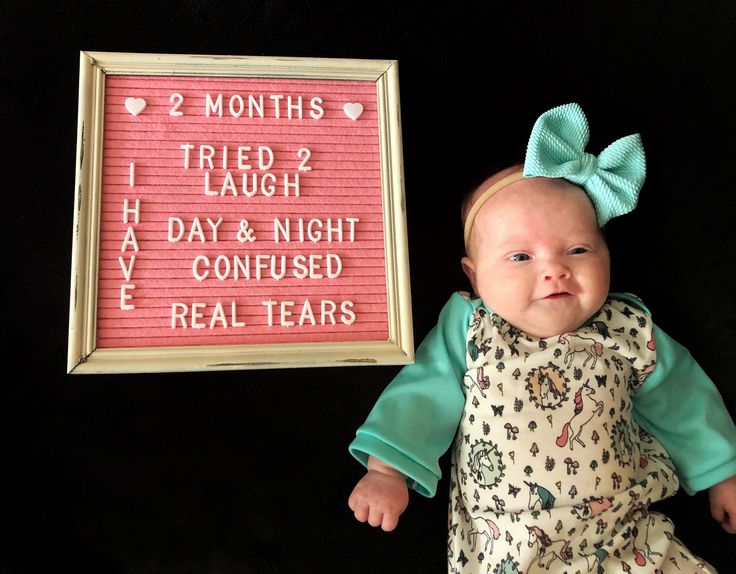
(601, 279)
(500, 295)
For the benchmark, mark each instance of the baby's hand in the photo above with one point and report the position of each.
(381, 496)
(723, 503)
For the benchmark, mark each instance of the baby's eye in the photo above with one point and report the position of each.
(578, 250)
(519, 257)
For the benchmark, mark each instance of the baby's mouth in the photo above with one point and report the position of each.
(558, 295)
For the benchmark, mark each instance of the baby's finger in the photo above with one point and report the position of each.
(375, 517)
(359, 508)
(729, 523)
(361, 513)
(718, 512)
(390, 521)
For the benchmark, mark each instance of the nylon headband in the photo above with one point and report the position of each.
(485, 196)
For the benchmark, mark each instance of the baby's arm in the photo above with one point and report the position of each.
(381, 496)
(680, 405)
(723, 503)
(413, 422)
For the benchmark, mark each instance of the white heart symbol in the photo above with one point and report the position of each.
(135, 105)
(353, 111)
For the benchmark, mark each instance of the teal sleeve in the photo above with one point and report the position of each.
(680, 405)
(415, 419)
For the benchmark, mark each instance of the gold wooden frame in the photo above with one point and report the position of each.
(85, 358)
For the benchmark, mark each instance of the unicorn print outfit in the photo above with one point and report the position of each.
(554, 458)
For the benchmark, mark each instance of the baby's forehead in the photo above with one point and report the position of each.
(533, 193)
(536, 202)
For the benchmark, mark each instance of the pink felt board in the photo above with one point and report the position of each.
(343, 187)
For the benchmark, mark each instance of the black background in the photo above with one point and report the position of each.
(222, 472)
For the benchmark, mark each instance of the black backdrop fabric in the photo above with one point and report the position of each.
(248, 471)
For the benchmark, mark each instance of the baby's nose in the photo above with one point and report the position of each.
(556, 270)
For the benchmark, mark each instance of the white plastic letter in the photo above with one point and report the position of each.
(214, 226)
(328, 310)
(219, 262)
(281, 229)
(268, 190)
(286, 313)
(307, 314)
(300, 269)
(234, 316)
(270, 304)
(187, 148)
(179, 311)
(256, 105)
(294, 186)
(317, 111)
(174, 238)
(333, 260)
(136, 211)
(127, 271)
(276, 102)
(213, 107)
(218, 315)
(291, 106)
(242, 158)
(229, 185)
(198, 275)
(197, 314)
(125, 296)
(130, 240)
(236, 113)
(306, 154)
(176, 99)
(206, 152)
(352, 221)
(262, 164)
(207, 189)
(348, 315)
(196, 230)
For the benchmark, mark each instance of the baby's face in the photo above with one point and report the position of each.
(537, 258)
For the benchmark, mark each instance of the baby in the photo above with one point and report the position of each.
(569, 409)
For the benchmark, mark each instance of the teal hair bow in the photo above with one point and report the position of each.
(612, 180)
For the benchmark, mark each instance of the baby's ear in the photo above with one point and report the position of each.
(469, 268)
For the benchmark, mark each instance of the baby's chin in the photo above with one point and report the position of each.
(552, 324)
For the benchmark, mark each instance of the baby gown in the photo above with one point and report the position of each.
(551, 472)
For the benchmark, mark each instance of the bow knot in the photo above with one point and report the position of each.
(588, 166)
(557, 149)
